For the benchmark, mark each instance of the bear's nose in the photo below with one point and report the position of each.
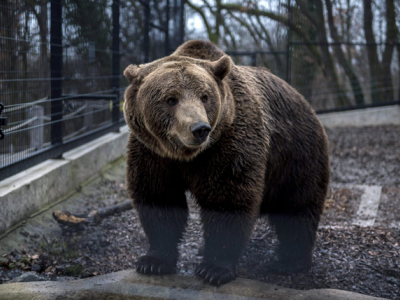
(200, 131)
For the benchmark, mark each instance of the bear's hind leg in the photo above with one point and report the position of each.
(296, 233)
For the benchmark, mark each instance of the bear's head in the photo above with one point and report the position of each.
(176, 105)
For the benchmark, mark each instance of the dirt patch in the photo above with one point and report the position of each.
(341, 206)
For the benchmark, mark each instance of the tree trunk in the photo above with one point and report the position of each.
(373, 60)
(398, 61)
(346, 65)
(329, 70)
(391, 37)
(218, 21)
(271, 46)
(42, 22)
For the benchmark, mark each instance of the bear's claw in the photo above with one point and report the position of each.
(153, 265)
(214, 275)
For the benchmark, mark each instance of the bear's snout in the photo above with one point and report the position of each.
(200, 131)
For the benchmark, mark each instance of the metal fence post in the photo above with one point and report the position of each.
(56, 61)
(254, 59)
(175, 22)
(146, 40)
(36, 134)
(182, 21)
(167, 47)
(289, 44)
(115, 61)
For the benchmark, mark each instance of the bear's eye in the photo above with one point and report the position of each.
(172, 101)
(204, 99)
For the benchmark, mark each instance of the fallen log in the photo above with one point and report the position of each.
(66, 219)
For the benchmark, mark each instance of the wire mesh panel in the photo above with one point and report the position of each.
(59, 78)
(336, 62)
(24, 79)
(61, 62)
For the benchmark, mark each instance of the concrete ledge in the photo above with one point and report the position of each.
(385, 115)
(130, 285)
(27, 192)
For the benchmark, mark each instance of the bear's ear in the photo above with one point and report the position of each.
(131, 73)
(221, 67)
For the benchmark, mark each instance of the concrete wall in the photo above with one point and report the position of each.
(385, 115)
(27, 192)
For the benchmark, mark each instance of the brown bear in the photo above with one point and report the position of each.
(241, 140)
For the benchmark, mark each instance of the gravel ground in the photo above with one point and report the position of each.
(340, 207)
(389, 212)
(363, 260)
(366, 155)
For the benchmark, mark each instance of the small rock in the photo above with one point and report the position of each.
(3, 261)
(36, 268)
(392, 280)
(24, 233)
(28, 277)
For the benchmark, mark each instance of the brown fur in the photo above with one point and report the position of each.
(266, 154)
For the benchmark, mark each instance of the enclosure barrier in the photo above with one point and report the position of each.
(80, 89)
(39, 150)
(60, 70)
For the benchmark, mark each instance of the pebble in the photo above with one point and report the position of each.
(36, 268)
(28, 277)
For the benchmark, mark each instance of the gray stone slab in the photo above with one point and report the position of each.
(385, 115)
(25, 193)
(130, 285)
(90, 158)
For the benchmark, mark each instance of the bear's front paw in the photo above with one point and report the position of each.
(154, 265)
(287, 268)
(213, 274)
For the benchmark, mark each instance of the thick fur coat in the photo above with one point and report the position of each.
(241, 140)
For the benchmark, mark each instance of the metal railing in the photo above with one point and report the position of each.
(78, 97)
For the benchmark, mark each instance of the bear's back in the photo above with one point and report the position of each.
(199, 49)
(276, 97)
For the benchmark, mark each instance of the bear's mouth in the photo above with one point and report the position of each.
(184, 150)
(193, 146)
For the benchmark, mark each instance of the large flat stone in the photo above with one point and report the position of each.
(130, 285)
(374, 116)
(27, 192)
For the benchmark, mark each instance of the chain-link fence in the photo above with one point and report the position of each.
(59, 82)
(61, 63)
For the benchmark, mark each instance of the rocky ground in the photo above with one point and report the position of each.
(347, 257)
